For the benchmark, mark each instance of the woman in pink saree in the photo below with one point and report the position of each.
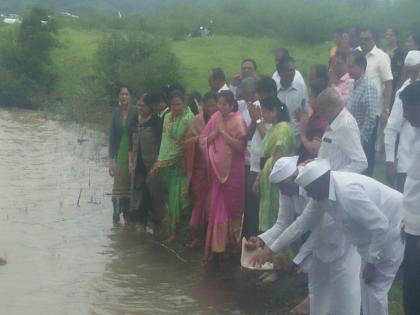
(226, 138)
(198, 170)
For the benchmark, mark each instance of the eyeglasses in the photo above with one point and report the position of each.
(365, 39)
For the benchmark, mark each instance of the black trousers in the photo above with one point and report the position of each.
(252, 205)
(411, 275)
(369, 149)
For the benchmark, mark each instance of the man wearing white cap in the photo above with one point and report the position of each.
(410, 98)
(396, 168)
(292, 202)
(330, 293)
(368, 212)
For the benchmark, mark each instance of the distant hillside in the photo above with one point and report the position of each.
(82, 7)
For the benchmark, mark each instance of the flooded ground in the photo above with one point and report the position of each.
(66, 257)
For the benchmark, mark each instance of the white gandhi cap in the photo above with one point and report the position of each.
(412, 59)
(312, 171)
(283, 168)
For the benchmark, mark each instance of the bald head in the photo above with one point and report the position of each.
(248, 86)
(330, 103)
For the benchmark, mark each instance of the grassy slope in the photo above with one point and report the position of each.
(198, 55)
(74, 59)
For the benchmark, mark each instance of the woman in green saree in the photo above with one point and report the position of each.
(171, 164)
(279, 141)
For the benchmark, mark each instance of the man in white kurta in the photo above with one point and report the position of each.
(397, 125)
(368, 212)
(293, 201)
(410, 97)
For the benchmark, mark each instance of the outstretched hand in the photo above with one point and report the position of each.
(261, 259)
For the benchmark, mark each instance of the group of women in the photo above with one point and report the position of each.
(185, 173)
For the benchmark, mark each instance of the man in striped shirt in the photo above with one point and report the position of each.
(361, 104)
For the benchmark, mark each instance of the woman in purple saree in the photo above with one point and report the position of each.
(225, 136)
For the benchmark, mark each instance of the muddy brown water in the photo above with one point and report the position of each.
(66, 257)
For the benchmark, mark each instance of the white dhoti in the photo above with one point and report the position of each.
(334, 288)
(375, 294)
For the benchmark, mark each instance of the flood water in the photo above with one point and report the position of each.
(64, 254)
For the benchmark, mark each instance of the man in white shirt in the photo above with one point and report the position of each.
(292, 203)
(291, 92)
(341, 140)
(217, 80)
(379, 72)
(280, 53)
(335, 289)
(410, 97)
(396, 170)
(368, 213)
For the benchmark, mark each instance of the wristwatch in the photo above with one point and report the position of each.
(259, 121)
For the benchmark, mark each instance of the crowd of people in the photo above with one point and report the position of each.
(276, 160)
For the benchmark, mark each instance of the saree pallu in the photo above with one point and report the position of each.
(198, 173)
(279, 141)
(227, 185)
(172, 167)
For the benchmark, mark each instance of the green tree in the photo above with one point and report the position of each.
(36, 39)
(136, 60)
(26, 72)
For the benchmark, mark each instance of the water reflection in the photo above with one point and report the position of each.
(65, 256)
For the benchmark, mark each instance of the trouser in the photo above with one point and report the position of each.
(375, 294)
(333, 287)
(411, 275)
(252, 203)
(120, 205)
(369, 149)
(400, 181)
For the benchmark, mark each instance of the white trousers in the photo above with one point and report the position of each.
(375, 294)
(334, 288)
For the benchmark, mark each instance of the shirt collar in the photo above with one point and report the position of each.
(291, 87)
(345, 77)
(374, 51)
(223, 88)
(332, 195)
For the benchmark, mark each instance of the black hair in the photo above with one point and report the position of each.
(254, 63)
(176, 93)
(230, 98)
(274, 103)
(155, 97)
(321, 72)
(416, 38)
(396, 32)
(146, 101)
(341, 55)
(283, 63)
(194, 98)
(218, 74)
(176, 87)
(370, 30)
(266, 85)
(209, 95)
(125, 87)
(411, 94)
(359, 58)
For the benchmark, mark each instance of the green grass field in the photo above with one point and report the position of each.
(74, 59)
